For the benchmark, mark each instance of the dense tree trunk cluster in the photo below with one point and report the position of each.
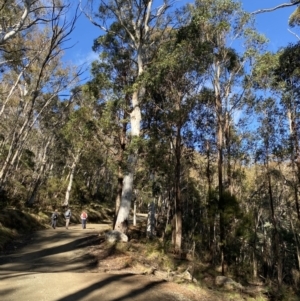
(187, 116)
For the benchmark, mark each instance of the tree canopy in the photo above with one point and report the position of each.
(186, 116)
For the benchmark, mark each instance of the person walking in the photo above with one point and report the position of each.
(68, 215)
(54, 219)
(83, 217)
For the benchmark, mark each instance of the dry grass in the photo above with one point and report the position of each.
(14, 223)
(153, 259)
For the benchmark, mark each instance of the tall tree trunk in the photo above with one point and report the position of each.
(139, 34)
(178, 201)
(120, 171)
(219, 112)
(72, 172)
(19, 137)
(123, 213)
(228, 149)
(210, 207)
(295, 156)
(277, 248)
(38, 180)
(119, 194)
(151, 219)
(254, 255)
(296, 243)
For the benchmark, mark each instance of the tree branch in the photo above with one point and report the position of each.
(17, 27)
(294, 34)
(267, 10)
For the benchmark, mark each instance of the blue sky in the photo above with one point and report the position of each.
(273, 24)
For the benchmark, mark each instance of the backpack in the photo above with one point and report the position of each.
(67, 214)
(83, 215)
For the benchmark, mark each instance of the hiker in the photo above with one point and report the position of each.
(68, 215)
(54, 219)
(83, 217)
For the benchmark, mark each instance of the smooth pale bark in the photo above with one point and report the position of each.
(254, 265)
(19, 25)
(119, 194)
(177, 186)
(120, 170)
(138, 30)
(50, 49)
(168, 217)
(151, 220)
(72, 172)
(283, 5)
(127, 189)
(134, 17)
(13, 88)
(134, 213)
(41, 170)
(19, 137)
(223, 131)
(123, 214)
(219, 116)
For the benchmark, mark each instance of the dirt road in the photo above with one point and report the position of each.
(55, 266)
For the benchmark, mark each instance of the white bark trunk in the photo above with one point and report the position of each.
(151, 220)
(40, 173)
(138, 35)
(124, 210)
(19, 138)
(68, 191)
(134, 213)
(127, 190)
(14, 29)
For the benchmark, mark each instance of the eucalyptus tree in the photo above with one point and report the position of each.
(203, 124)
(285, 77)
(274, 192)
(277, 75)
(41, 143)
(140, 21)
(222, 25)
(285, 82)
(172, 84)
(113, 76)
(51, 152)
(76, 133)
(37, 78)
(294, 18)
(20, 16)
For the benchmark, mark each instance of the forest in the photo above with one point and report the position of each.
(187, 116)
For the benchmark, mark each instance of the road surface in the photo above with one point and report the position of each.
(55, 266)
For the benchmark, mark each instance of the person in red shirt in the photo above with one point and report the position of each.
(83, 217)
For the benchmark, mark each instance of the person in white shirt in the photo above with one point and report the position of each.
(68, 215)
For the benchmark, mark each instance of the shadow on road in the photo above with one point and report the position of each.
(67, 256)
(6, 292)
(59, 266)
(114, 281)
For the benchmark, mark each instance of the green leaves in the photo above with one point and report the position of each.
(294, 19)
